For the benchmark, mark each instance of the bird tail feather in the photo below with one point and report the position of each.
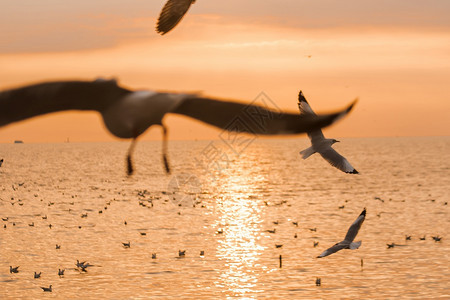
(355, 245)
(307, 152)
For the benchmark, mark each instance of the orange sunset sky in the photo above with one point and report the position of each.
(392, 55)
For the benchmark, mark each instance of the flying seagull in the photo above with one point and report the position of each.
(320, 144)
(128, 114)
(348, 243)
(171, 14)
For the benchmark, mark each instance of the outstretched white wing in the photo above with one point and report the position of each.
(354, 228)
(337, 160)
(333, 249)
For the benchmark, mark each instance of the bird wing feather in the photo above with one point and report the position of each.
(337, 160)
(333, 249)
(305, 109)
(42, 98)
(254, 119)
(171, 14)
(354, 228)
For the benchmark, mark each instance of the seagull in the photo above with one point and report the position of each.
(13, 270)
(320, 144)
(47, 289)
(171, 14)
(348, 243)
(83, 265)
(128, 114)
(437, 238)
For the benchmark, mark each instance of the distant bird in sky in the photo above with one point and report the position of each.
(348, 243)
(171, 14)
(128, 114)
(320, 144)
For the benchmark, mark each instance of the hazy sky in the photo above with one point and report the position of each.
(393, 55)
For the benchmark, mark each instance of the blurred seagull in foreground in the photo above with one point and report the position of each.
(128, 114)
(320, 144)
(171, 14)
(348, 243)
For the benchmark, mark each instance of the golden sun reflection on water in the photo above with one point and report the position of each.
(239, 217)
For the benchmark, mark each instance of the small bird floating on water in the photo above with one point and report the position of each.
(437, 238)
(13, 270)
(318, 281)
(47, 289)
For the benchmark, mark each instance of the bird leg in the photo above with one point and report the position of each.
(164, 150)
(130, 168)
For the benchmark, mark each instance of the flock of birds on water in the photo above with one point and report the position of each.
(146, 200)
(128, 114)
